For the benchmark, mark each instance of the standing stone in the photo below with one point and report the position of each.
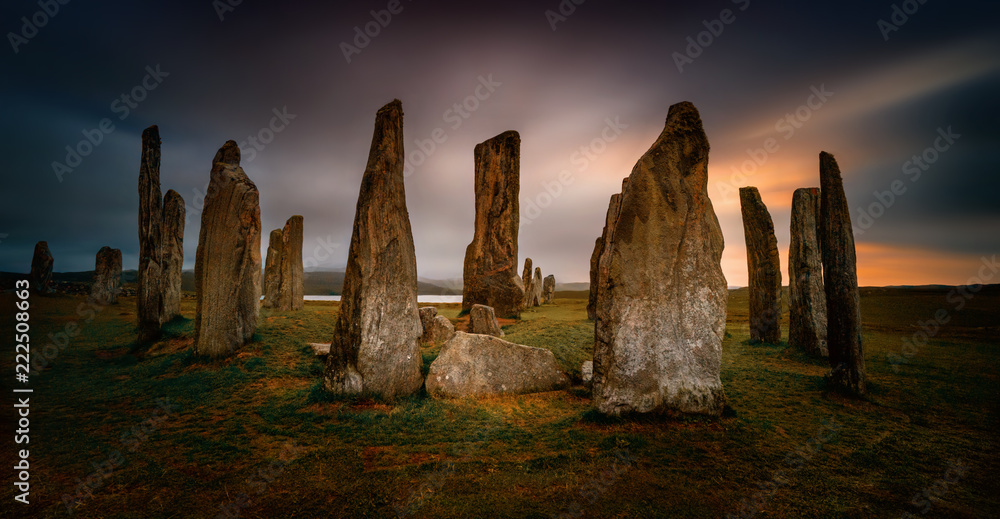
(172, 257)
(549, 289)
(592, 297)
(526, 281)
(843, 328)
(291, 294)
(107, 276)
(806, 297)
(596, 277)
(272, 270)
(490, 272)
(376, 343)
(41, 268)
(661, 305)
(227, 265)
(483, 320)
(763, 266)
(149, 296)
(536, 287)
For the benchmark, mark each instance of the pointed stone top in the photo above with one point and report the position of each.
(828, 164)
(395, 105)
(684, 117)
(171, 194)
(152, 131)
(229, 154)
(749, 191)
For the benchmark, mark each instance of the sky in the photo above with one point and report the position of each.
(586, 83)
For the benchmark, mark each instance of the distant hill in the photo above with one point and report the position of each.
(315, 283)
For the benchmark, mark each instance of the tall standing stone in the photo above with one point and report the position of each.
(41, 268)
(291, 295)
(376, 343)
(107, 276)
(536, 287)
(490, 272)
(661, 305)
(592, 297)
(272, 270)
(763, 267)
(149, 299)
(806, 297)
(596, 277)
(843, 329)
(526, 277)
(227, 265)
(549, 289)
(172, 257)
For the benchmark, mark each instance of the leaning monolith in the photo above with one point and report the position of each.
(763, 267)
(272, 270)
(843, 314)
(376, 342)
(148, 297)
(806, 299)
(41, 268)
(172, 256)
(490, 273)
(291, 295)
(661, 304)
(549, 289)
(107, 276)
(227, 264)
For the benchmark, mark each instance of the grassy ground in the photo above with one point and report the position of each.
(157, 432)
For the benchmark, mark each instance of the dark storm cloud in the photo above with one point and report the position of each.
(606, 64)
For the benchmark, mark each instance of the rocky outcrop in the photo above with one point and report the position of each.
(661, 302)
(107, 277)
(763, 267)
(480, 365)
(172, 256)
(806, 297)
(291, 293)
(437, 328)
(483, 320)
(376, 344)
(490, 273)
(549, 289)
(41, 269)
(227, 265)
(843, 314)
(149, 296)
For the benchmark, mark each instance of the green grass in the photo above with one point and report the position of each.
(235, 421)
